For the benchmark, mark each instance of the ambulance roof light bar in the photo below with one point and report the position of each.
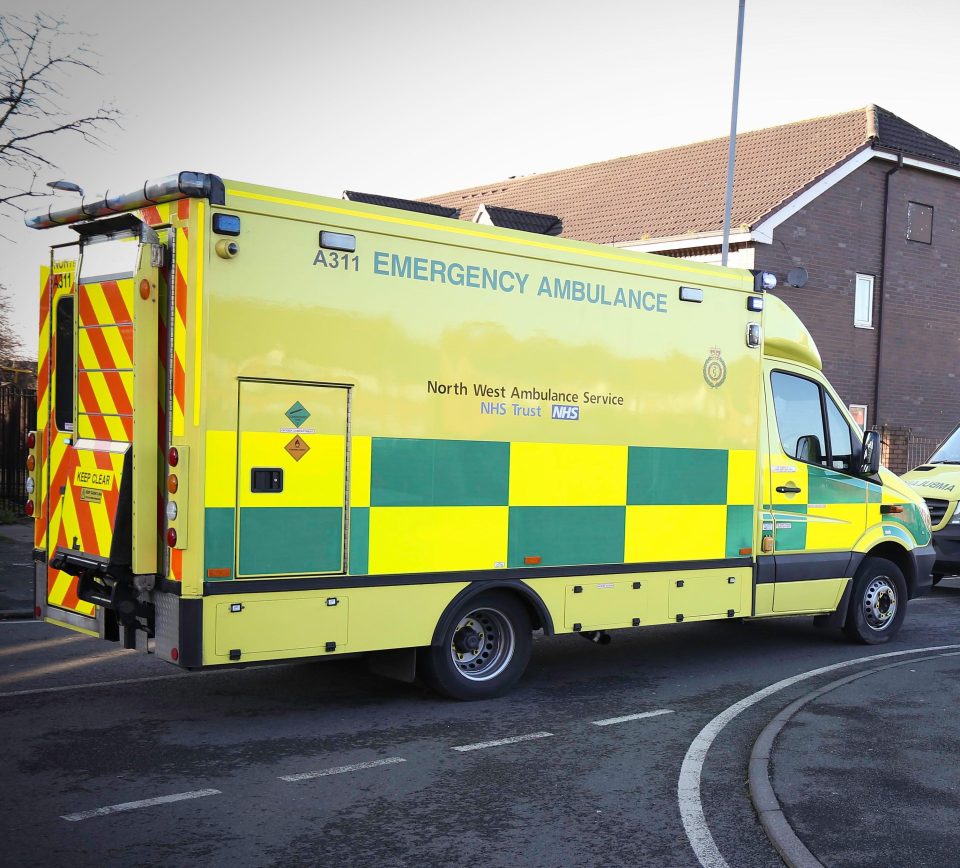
(183, 185)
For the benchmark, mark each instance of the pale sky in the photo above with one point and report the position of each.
(424, 96)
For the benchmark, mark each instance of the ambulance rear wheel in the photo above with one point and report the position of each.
(878, 603)
(483, 651)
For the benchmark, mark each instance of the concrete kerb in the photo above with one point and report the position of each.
(791, 849)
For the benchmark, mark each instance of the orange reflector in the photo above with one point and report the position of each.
(532, 560)
(891, 509)
(218, 573)
(31, 462)
(144, 289)
(747, 551)
(173, 483)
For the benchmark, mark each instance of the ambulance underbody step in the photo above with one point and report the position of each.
(98, 586)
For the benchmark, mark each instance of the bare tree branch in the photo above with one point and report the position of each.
(39, 58)
(10, 345)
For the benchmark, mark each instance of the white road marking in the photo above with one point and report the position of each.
(610, 721)
(513, 739)
(142, 803)
(339, 770)
(688, 785)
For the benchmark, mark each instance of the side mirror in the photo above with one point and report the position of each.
(870, 454)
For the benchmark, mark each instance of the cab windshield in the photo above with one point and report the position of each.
(949, 452)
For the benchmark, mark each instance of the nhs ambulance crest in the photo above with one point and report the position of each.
(714, 369)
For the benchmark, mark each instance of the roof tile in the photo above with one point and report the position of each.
(680, 190)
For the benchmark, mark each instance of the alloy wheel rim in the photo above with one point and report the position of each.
(880, 603)
(482, 645)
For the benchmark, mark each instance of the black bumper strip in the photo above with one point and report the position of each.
(806, 567)
(263, 586)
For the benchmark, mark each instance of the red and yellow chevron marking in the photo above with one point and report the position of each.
(43, 412)
(180, 330)
(105, 360)
(58, 519)
(165, 213)
(84, 515)
(174, 214)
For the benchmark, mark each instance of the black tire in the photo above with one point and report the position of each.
(484, 650)
(936, 578)
(878, 602)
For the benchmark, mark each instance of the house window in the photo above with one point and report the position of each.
(859, 413)
(919, 223)
(863, 302)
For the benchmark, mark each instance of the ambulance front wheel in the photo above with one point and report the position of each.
(483, 651)
(878, 602)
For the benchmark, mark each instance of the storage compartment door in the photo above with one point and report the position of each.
(292, 470)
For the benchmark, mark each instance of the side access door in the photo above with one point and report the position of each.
(816, 507)
(292, 461)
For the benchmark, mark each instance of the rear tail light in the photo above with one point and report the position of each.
(172, 537)
(173, 457)
(28, 508)
(31, 440)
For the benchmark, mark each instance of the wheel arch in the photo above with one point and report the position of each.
(897, 554)
(540, 617)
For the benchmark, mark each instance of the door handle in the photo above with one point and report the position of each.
(788, 489)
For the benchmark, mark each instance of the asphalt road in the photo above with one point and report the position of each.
(866, 774)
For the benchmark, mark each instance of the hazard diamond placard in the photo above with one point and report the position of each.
(297, 447)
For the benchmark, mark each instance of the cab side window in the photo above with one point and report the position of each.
(843, 447)
(812, 428)
(799, 418)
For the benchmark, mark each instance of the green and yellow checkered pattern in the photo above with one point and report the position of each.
(422, 505)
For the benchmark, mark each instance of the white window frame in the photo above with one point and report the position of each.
(870, 281)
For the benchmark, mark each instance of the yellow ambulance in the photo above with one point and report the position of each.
(938, 483)
(274, 426)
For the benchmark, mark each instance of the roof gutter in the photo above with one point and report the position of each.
(184, 185)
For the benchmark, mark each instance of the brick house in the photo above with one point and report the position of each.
(868, 203)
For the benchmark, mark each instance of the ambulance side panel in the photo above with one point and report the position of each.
(448, 404)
